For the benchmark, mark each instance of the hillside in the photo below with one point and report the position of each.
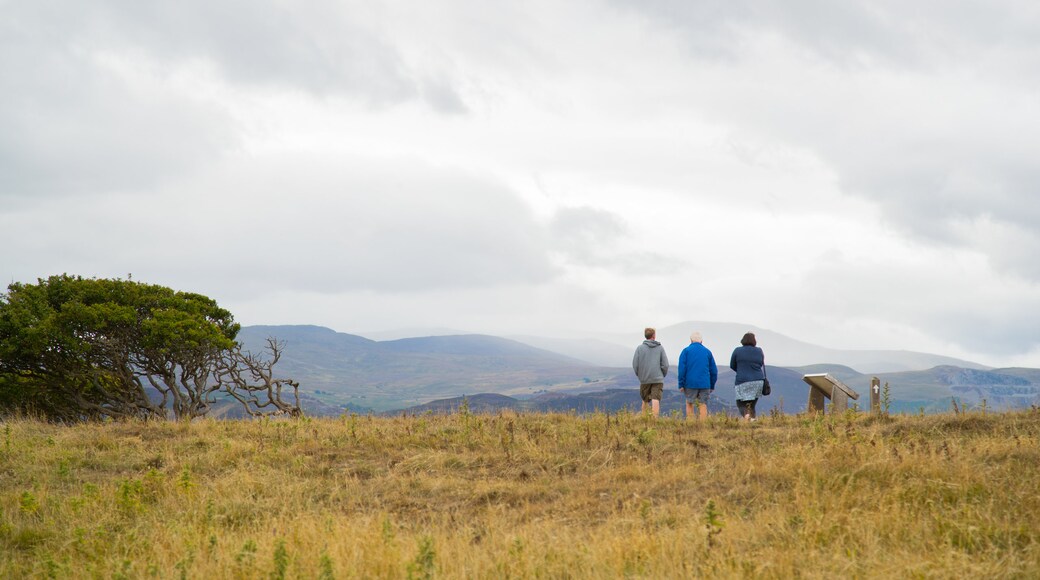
(933, 390)
(391, 374)
(523, 496)
(341, 371)
(790, 394)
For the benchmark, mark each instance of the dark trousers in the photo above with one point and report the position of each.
(747, 407)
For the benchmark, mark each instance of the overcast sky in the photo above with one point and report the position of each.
(851, 174)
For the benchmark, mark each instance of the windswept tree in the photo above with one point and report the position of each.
(251, 380)
(72, 347)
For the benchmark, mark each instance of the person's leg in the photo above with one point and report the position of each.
(751, 407)
(656, 392)
(702, 403)
(689, 411)
(745, 409)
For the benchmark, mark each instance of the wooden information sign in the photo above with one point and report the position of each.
(824, 386)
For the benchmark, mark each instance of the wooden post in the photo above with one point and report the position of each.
(875, 395)
(839, 401)
(815, 400)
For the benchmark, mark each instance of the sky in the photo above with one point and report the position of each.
(851, 174)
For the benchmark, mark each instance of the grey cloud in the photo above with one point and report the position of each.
(69, 123)
(325, 226)
(324, 47)
(315, 46)
(848, 33)
(579, 230)
(597, 238)
(981, 316)
(931, 112)
(103, 138)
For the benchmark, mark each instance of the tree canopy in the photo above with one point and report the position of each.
(72, 347)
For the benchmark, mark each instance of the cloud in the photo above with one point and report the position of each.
(574, 165)
(71, 122)
(934, 292)
(116, 96)
(929, 111)
(326, 47)
(853, 34)
(596, 238)
(296, 223)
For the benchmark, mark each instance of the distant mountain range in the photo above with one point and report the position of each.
(344, 368)
(344, 372)
(723, 337)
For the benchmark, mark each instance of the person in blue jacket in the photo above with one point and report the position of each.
(750, 365)
(697, 374)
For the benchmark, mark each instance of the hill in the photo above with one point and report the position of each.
(933, 390)
(789, 395)
(340, 372)
(344, 369)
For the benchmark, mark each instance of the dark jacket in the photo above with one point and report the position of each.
(650, 362)
(749, 362)
(697, 369)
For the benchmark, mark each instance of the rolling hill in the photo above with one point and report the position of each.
(343, 368)
(340, 372)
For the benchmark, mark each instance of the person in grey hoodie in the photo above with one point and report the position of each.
(650, 364)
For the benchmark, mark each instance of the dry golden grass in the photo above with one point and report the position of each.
(495, 496)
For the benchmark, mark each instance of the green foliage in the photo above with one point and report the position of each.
(646, 437)
(247, 554)
(28, 504)
(184, 481)
(712, 522)
(281, 561)
(129, 494)
(423, 566)
(325, 569)
(72, 347)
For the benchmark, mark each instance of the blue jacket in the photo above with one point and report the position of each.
(749, 362)
(697, 368)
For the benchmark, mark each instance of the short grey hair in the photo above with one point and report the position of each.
(696, 336)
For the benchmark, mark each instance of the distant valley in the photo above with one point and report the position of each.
(342, 372)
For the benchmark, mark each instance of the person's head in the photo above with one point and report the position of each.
(696, 337)
(749, 340)
(650, 333)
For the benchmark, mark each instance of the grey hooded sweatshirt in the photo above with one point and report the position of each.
(650, 362)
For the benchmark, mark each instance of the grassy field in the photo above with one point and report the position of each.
(497, 496)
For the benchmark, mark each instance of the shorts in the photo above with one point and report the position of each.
(651, 391)
(697, 395)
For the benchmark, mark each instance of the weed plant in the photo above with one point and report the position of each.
(521, 496)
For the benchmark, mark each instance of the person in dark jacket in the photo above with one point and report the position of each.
(650, 364)
(749, 362)
(697, 375)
